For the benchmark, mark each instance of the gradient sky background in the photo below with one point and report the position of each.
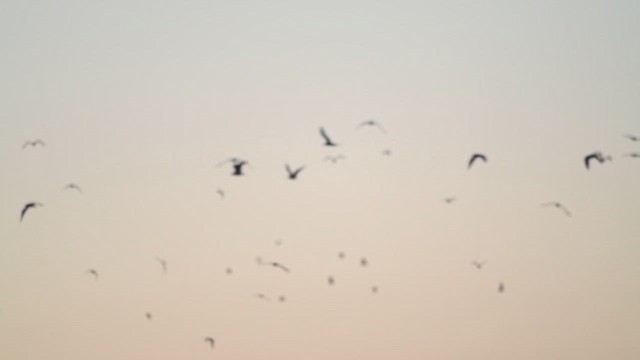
(139, 100)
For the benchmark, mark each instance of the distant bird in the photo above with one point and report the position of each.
(93, 272)
(449, 200)
(282, 298)
(148, 315)
(478, 264)
(331, 280)
(371, 123)
(278, 242)
(28, 206)
(163, 263)
(558, 206)
(33, 143)
(327, 139)
(598, 156)
(334, 158)
(501, 287)
(237, 165)
(386, 152)
(632, 137)
(633, 155)
(229, 271)
(364, 262)
(374, 289)
(221, 193)
(210, 341)
(341, 255)
(280, 266)
(293, 174)
(262, 296)
(475, 157)
(72, 186)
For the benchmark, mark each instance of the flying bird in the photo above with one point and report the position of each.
(558, 206)
(341, 255)
(221, 193)
(371, 123)
(478, 264)
(386, 152)
(237, 165)
(293, 174)
(72, 186)
(501, 287)
(33, 143)
(93, 272)
(632, 137)
(163, 263)
(331, 280)
(374, 289)
(148, 315)
(28, 206)
(229, 271)
(210, 341)
(364, 262)
(334, 158)
(280, 266)
(327, 139)
(633, 155)
(449, 200)
(475, 157)
(282, 298)
(598, 156)
(262, 296)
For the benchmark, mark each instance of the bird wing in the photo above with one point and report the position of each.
(27, 143)
(25, 208)
(588, 158)
(325, 136)
(566, 211)
(39, 141)
(298, 170)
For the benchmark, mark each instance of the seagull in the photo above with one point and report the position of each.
(293, 174)
(148, 315)
(341, 255)
(327, 139)
(558, 205)
(280, 266)
(73, 186)
(221, 193)
(28, 206)
(334, 158)
(93, 272)
(449, 200)
(633, 155)
(598, 156)
(262, 296)
(501, 287)
(364, 262)
(478, 264)
(331, 280)
(371, 123)
(209, 340)
(163, 263)
(237, 165)
(475, 157)
(33, 143)
(632, 137)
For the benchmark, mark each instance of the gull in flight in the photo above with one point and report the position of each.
(374, 289)
(558, 206)
(331, 280)
(28, 206)
(148, 315)
(478, 264)
(334, 158)
(72, 186)
(501, 287)
(229, 271)
(93, 272)
(449, 200)
(262, 296)
(327, 139)
(237, 165)
(598, 156)
(371, 123)
(280, 266)
(364, 262)
(632, 137)
(163, 263)
(282, 298)
(33, 143)
(633, 155)
(293, 174)
(210, 341)
(221, 193)
(475, 157)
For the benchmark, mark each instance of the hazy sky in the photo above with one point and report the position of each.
(138, 101)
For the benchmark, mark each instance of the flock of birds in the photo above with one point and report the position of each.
(238, 169)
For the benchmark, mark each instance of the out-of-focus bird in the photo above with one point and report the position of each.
(72, 186)
(632, 137)
(33, 143)
(557, 205)
(341, 255)
(501, 287)
(449, 200)
(334, 158)
(371, 123)
(280, 266)
(474, 158)
(293, 174)
(386, 152)
(282, 298)
(148, 315)
(478, 264)
(28, 206)
(237, 165)
(262, 296)
(210, 341)
(93, 272)
(221, 193)
(364, 262)
(163, 264)
(597, 156)
(632, 154)
(327, 139)
(331, 280)
(374, 289)
(229, 271)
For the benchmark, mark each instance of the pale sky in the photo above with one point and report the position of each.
(138, 101)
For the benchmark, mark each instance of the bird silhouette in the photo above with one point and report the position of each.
(449, 200)
(72, 186)
(33, 143)
(148, 315)
(262, 296)
(558, 206)
(280, 266)
(28, 206)
(94, 273)
(334, 158)
(163, 264)
(371, 123)
(229, 271)
(478, 264)
(364, 262)
(475, 157)
(210, 341)
(331, 280)
(598, 156)
(386, 152)
(327, 139)
(293, 174)
(341, 255)
(282, 298)
(221, 193)
(237, 165)
(632, 155)
(374, 289)
(632, 137)
(501, 287)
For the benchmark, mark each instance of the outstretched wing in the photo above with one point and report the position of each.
(25, 208)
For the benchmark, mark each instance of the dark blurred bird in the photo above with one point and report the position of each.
(33, 143)
(237, 165)
(364, 262)
(598, 156)
(327, 139)
(558, 206)
(280, 266)
(334, 158)
(478, 264)
(210, 341)
(148, 315)
(374, 289)
(341, 255)
(449, 200)
(278, 242)
(73, 186)
(28, 206)
(93, 272)
(475, 157)
(221, 193)
(293, 174)
(386, 152)
(282, 298)
(229, 271)
(331, 280)
(632, 137)
(501, 287)
(262, 296)
(163, 264)
(633, 155)
(371, 123)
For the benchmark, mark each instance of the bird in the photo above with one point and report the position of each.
(280, 266)
(449, 200)
(282, 298)
(374, 289)
(237, 165)
(94, 273)
(278, 242)
(28, 206)
(262, 296)
(163, 263)
(371, 123)
(364, 262)
(73, 187)
(386, 152)
(341, 255)
(632, 137)
(596, 155)
(331, 280)
(229, 271)
(210, 340)
(33, 143)
(501, 287)
(148, 315)
(475, 157)
(334, 158)
(221, 193)
(633, 155)
(293, 174)
(478, 264)
(558, 206)
(327, 139)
